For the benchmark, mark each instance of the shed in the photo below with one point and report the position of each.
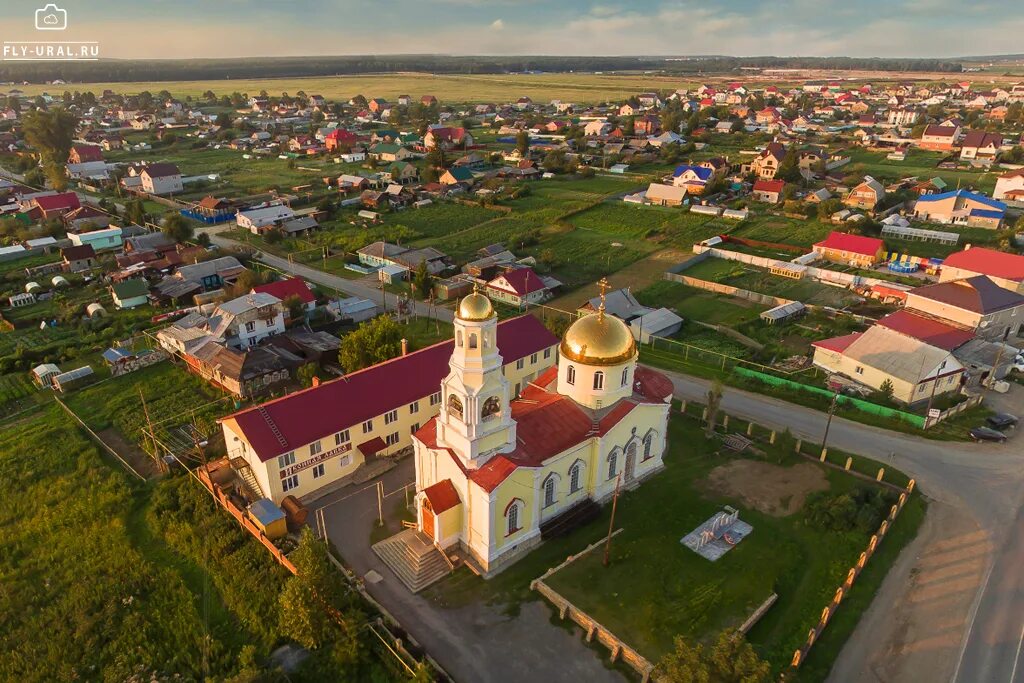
(269, 518)
(32, 286)
(659, 322)
(392, 273)
(59, 281)
(66, 380)
(130, 293)
(42, 373)
(18, 300)
(95, 310)
(783, 312)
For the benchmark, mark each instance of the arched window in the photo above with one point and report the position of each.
(549, 490)
(648, 444)
(599, 380)
(512, 517)
(458, 338)
(625, 376)
(455, 406)
(491, 407)
(570, 375)
(472, 341)
(574, 476)
(613, 462)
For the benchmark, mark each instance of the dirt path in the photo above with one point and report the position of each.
(135, 456)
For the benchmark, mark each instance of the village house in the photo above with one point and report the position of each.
(866, 195)
(518, 287)
(390, 152)
(666, 195)
(81, 154)
(981, 146)
(84, 218)
(854, 250)
(693, 178)
(1010, 186)
(938, 138)
(768, 191)
(766, 164)
(199, 277)
(1003, 268)
(341, 138)
(286, 289)
(644, 322)
(402, 172)
(328, 431)
(161, 179)
(243, 322)
(78, 259)
(456, 176)
(55, 205)
(383, 254)
(977, 304)
(129, 294)
(960, 207)
(448, 138)
(106, 238)
(258, 221)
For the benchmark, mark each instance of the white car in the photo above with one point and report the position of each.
(1018, 362)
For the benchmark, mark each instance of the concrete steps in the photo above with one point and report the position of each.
(413, 558)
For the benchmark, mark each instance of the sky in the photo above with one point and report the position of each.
(247, 28)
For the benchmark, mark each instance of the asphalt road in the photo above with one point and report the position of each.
(980, 482)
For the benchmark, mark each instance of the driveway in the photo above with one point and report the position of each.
(478, 643)
(952, 608)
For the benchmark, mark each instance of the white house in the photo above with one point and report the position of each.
(161, 179)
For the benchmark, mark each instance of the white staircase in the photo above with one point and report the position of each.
(413, 558)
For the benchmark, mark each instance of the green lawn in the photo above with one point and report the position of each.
(760, 280)
(697, 304)
(920, 163)
(785, 230)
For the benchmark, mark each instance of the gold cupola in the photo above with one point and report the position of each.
(598, 338)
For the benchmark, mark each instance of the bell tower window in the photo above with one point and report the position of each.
(455, 406)
(491, 407)
(472, 341)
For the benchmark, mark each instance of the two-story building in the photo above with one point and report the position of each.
(161, 179)
(241, 323)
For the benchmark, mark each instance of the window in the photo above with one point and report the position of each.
(341, 437)
(920, 388)
(345, 460)
(289, 483)
(414, 407)
(391, 439)
(574, 477)
(549, 491)
(625, 376)
(859, 370)
(318, 471)
(458, 338)
(512, 515)
(472, 341)
(391, 416)
(415, 428)
(367, 426)
(315, 448)
(648, 444)
(520, 364)
(518, 388)
(286, 460)
(533, 359)
(491, 407)
(435, 398)
(570, 375)
(455, 406)
(547, 353)
(613, 459)
(250, 326)
(599, 380)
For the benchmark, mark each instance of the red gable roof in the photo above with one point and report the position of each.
(856, 244)
(522, 281)
(282, 289)
(318, 412)
(988, 262)
(769, 185)
(88, 152)
(58, 202)
(928, 330)
(442, 496)
(837, 344)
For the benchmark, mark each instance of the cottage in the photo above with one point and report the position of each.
(694, 178)
(1003, 268)
(286, 289)
(130, 293)
(981, 146)
(518, 287)
(161, 179)
(78, 259)
(258, 221)
(960, 207)
(865, 195)
(768, 191)
(108, 238)
(977, 304)
(1010, 186)
(855, 250)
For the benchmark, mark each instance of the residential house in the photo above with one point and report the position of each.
(1010, 186)
(981, 146)
(977, 304)
(383, 254)
(934, 185)
(648, 124)
(1003, 268)
(518, 287)
(456, 176)
(960, 207)
(389, 153)
(644, 322)
(107, 238)
(402, 172)
(45, 207)
(86, 217)
(78, 259)
(161, 179)
(855, 250)
(80, 154)
(243, 322)
(865, 195)
(694, 178)
(258, 221)
(768, 191)
(287, 288)
(666, 195)
(766, 164)
(341, 138)
(938, 138)
(448, 138)
(130, 293)
(199, 277)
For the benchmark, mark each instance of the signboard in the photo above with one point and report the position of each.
(934, 412)
(315, 460)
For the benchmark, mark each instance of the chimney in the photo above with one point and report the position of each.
(316, 381)
(405, 347)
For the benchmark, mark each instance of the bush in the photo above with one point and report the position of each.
(861, 509)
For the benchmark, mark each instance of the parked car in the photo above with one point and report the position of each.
(987, 434)
(1002, 421)
(1018, 362)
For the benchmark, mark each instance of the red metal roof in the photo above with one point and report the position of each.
(318, 412)
(988, 262)
(442, 496)
(856, 244)
(837, 344)
(769, 185)
(522, 281)
(928, 330)
(372, 447)
(58, 202)
(282, 289)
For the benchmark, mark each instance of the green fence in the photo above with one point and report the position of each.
(859, 404)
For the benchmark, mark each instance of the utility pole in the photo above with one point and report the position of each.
(161, 465)
(380, 503)
(828, 424)
(611, 522)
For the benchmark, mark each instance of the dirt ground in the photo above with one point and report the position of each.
(135, 456)
(635, 276)
(771, 489)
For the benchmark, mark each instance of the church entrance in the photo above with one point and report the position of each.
(630, 461)
(428, 519)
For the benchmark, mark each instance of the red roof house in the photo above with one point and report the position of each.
(56, 205)
(282, 289)
(517, 286)
(980, 261)
(83, 153)
(856, 250)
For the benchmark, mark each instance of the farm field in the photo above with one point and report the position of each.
(697, 304)
(922, 164)
(759, 280)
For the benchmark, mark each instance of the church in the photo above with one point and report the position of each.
(494, 476)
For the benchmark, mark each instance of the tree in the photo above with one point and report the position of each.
(522, 142)
(684, 664)
(306, 374)
(733, 660)
(372, 342)
(50, 134)
(714, 403)
(177, 227)
(422, 280)
(296, 309)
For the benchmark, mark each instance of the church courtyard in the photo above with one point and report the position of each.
(656, 588)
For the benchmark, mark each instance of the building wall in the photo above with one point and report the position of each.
(991, 326)
(904, 391)
(949, 273)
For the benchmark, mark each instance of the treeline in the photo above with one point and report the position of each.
(290, 67)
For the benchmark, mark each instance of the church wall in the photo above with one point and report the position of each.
(520, 487)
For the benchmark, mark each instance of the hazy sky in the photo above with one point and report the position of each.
(241, 28)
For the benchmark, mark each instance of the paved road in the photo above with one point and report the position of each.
(979, 491)
(360, 288)
(476, 643)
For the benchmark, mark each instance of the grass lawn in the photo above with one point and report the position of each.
(919, 163)
(760, 280)
(656, 588)
(784, 230)
(696, 304)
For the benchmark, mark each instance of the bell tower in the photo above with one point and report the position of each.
(476, 419)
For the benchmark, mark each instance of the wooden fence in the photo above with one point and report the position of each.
(727, 290)
(930, 422)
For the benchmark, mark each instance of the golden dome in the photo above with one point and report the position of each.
(598, 339)
(475, 307)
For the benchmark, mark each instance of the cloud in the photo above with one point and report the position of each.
(497, 25)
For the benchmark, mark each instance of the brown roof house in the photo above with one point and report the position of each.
(976, 304)
(866, 195)
(981, 146)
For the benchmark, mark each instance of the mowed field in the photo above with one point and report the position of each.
(572, 87)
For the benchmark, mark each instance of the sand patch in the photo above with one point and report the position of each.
(768, 488)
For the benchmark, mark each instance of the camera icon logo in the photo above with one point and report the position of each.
(51, 18)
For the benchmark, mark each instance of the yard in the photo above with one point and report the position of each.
(656, 588)
(760, 280)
